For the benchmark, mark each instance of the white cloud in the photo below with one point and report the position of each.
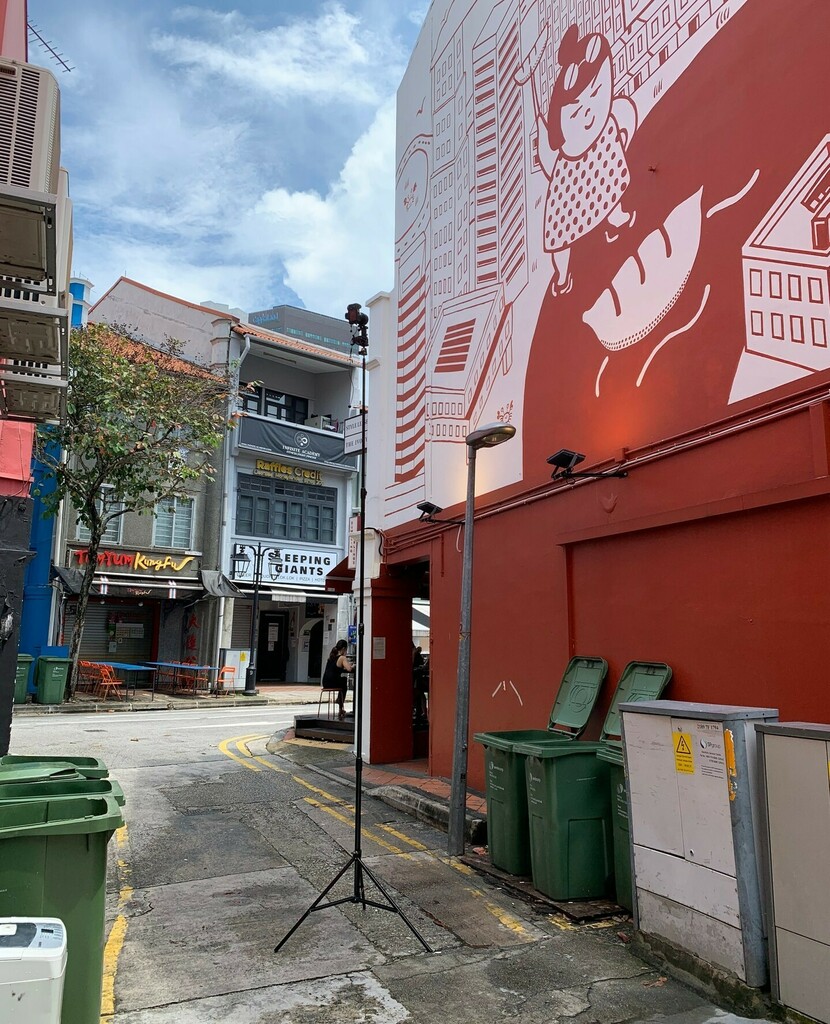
(338, 248)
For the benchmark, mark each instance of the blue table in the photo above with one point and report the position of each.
(125, 666)
(177, 667)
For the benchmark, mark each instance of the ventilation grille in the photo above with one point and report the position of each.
(29, 127)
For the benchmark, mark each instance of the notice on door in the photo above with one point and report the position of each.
(684, 758)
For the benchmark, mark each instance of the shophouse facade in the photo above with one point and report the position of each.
(611, 232)
(36, 227)
(283, 494)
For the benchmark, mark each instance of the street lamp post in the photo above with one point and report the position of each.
(241, 561)
(485, 437)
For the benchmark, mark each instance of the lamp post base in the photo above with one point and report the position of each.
(250, 684)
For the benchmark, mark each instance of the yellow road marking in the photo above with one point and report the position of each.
(350, 821)
(333, 802)
(118, 932)
(223, 747)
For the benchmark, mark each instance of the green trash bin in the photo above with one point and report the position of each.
(53, 863)
(51, 679)
(569, 801)
(508, 836)
(641, 680)
(89, 767)
(21, 679)
(569, 818)
(36, 780)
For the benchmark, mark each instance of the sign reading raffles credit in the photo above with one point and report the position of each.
(300, 567)
(279, 471)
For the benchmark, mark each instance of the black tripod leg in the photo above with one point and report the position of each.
(394, 907)
(316, 905)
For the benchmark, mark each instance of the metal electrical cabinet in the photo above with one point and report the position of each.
(692, 798)
(794, 759)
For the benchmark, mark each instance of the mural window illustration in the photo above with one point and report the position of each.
(105, 504)
(173, 526)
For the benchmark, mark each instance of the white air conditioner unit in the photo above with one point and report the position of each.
(33, 332)
(320, 422)
(29, 127)
(32, 392)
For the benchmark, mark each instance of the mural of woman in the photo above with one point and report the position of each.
(582, 145)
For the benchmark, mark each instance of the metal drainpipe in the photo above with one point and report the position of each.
(223, 601)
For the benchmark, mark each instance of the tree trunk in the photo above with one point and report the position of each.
(80, 616)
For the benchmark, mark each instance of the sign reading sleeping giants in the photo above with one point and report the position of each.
(278, 471)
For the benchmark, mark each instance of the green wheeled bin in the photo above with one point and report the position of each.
(53, 863)
(508, 836)
(51, 679)
(570, 801)
(89, 767)
(569, 817)
(21, 679)
(36, 780)
(641, 680)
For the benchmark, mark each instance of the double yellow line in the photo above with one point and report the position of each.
(343, 812)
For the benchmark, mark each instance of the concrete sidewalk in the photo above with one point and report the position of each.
(407, 787)
(280, 694)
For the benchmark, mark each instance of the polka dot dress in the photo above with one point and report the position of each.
(582, 192)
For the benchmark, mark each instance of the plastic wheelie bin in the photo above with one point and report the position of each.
(21, 679)
(569, 799)
(53, 863)
(36, 780)
(506, 793)
(89, 767)
(51, 679)
(643, 680)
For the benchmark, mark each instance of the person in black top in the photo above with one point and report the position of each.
(338, 667)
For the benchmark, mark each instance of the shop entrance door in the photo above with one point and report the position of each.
(315, 651)
(272, 649)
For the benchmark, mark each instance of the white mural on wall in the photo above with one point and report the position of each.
(514, 122)
(786, 276)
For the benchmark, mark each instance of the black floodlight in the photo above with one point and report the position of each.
(429, 511)
(564, 461)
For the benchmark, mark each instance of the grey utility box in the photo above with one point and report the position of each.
(794, 759)
(692, 792)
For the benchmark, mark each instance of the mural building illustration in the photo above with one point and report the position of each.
(614, 213)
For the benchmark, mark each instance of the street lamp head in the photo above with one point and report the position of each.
(490, 435)
(241, 560)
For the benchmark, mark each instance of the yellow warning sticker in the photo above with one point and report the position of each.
(684, 759)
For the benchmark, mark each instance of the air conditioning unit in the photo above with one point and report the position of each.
(32, 391)
(32, 332)
(29, 127)
(320, 422)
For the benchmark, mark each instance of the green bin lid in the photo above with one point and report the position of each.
(59, 816)
(25, 657)
(60, 789)
(612, 752)
(640, 680)
(35, 771)
(578, 693)
(90, 767)
(549, 750)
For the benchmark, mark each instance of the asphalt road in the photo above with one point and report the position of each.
(227, 845)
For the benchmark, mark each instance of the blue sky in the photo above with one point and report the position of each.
(234, 152)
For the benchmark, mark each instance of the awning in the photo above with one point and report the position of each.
(340, 579)
(125, 585)
(217, 584)
(69, 579)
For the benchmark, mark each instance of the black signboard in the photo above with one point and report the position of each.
(294, 441)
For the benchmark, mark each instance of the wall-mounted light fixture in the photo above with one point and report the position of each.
(564, 461)
(429, 511)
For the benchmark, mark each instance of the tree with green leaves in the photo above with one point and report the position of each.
(141, 425)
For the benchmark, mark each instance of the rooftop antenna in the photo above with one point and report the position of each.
(49, 47)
